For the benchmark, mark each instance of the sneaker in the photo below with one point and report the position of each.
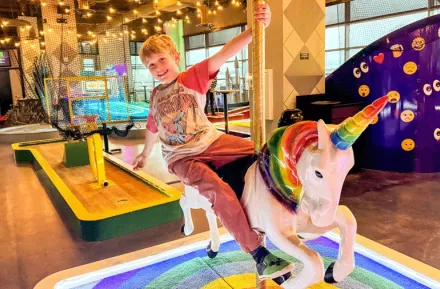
(273, 267)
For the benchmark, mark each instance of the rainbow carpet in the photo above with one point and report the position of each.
(190, 268)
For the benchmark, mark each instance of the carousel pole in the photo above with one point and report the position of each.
(258, 133)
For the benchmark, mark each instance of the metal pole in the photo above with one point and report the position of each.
(258, 133)
(258, 125)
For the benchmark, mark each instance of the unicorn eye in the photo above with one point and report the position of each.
(318, 174)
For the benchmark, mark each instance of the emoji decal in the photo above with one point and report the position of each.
(379, 58)
(397, 50)
(393, 96)
(436, 85)
(427, 89)
(410, 68)
(437, 134)
(418, 44)
(364, 90)
(407, 115)
(357, 72)
(364, 67)
(408, 144)
(375, 120)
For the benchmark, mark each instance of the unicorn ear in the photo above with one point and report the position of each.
(323, 135)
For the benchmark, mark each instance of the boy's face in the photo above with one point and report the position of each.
(164, 66)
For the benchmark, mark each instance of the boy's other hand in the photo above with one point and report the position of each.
(139, 162)
(263, 14)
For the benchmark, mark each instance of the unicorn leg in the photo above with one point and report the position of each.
(214, 244)
(347, 225)
(188, 227)
(313, 270)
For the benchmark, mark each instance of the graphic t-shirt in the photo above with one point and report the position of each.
(177, 113)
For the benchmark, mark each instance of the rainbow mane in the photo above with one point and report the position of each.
(278, 159)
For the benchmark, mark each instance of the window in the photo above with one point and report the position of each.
(335, 14)
(88, 64)
(88, 47)
(362, 9)
(194, 56)
(364, 33)
(199, 47)
(368, 21)
(142, 80)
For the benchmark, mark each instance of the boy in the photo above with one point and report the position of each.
(190, 141)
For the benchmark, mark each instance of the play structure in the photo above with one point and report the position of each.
(177, 265)
(404, 65)
(98, 195)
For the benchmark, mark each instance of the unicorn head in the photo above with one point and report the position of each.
(306, 164)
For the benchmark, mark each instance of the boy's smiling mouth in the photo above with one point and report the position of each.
(160, 75)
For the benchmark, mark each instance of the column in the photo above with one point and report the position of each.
(30, 51)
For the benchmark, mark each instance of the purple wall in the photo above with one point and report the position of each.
(405, 65)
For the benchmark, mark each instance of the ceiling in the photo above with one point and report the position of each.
(123, 12)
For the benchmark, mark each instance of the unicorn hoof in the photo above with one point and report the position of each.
(287, 276)
(211, 254)
(279, 280)
(328, 277)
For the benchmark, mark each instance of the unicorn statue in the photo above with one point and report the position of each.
(291, 193)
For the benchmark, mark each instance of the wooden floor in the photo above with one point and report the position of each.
(124, 190)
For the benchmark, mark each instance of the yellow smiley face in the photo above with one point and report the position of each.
(418, 43)
(375, 120)
(410, 68)
(364, 90)
(408, 144)
(393, 96)
(407, 115)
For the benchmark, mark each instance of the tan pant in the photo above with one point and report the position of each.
(193, 171)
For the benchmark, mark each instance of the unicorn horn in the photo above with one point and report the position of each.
(347, 132)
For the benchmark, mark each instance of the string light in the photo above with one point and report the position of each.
(109, 18)
(111, 10)
(179, 13)
(144, 20)
(178, 3)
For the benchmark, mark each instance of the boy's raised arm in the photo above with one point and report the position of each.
(262, 15)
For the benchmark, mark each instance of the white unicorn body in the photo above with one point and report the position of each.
(321, 169)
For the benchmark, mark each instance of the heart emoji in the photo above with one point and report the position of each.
(379, 58)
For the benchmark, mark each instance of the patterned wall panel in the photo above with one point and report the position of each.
(61, 40)
(304, 49)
